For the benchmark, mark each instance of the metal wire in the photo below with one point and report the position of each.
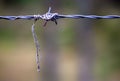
(52, 17)
(58, 16)
(89, 16)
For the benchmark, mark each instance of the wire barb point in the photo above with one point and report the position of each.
(49, 10)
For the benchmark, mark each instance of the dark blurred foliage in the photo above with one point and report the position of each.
(115, 2)
(17, 2)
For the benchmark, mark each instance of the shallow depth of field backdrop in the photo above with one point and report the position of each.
(74, 50)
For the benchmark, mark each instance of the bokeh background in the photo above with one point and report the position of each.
(73, 50)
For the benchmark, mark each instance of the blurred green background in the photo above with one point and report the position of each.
(74, 50)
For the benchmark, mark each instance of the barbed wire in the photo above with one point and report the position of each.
(52, 17)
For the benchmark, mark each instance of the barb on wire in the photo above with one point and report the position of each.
(52, 17)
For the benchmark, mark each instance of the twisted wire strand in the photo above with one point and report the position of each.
(52, 17)
(58, 16)
(89, 16)
(28, 17)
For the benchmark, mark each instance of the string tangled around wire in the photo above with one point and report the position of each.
(52, 17)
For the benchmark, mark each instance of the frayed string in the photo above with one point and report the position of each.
(37, 46)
